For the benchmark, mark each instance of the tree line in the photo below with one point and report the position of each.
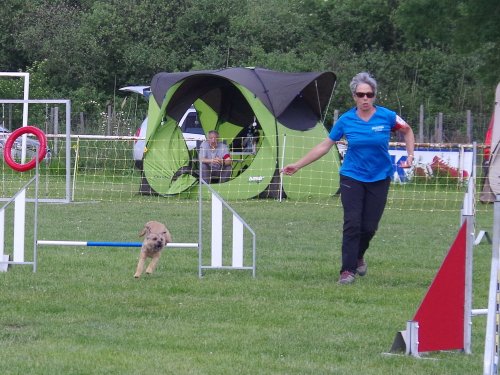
(440, 54)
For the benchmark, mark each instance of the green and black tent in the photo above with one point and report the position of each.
(284, 110)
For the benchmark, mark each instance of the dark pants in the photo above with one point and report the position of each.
(211, 173)
(363, 204)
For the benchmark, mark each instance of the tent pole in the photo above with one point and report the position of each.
(281, 167)
(329, 101)
(319, 102)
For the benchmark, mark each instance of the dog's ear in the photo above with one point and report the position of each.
(144, 231)
(167, 236)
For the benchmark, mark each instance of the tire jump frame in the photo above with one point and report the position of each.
(19, 201)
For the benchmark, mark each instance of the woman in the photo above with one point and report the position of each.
(366, 171)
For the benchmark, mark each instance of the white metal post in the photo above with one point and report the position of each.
(237, 242)
(490, 342)
(216, 231)
(3, 257)
(19, 226)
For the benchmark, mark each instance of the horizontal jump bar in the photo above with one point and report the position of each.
(111, 244)
(476, 312)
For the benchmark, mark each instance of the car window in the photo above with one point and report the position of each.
(192, 125)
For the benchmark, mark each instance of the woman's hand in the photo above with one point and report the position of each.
(407, 163)
(289, 169)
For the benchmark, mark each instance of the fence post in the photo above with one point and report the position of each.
(56, 129)
(110, 113)
(469, 126)
(81, 124)
(9, 106)
(438, 132)
(421, 124)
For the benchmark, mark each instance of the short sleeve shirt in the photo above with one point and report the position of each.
(367, 158)
(221, 151)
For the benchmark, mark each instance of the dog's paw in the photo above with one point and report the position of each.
(137, 275)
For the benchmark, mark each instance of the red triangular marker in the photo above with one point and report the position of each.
(440, 316)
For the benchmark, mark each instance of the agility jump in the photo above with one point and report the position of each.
(218, 204)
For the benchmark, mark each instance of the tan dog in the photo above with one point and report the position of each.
(156, 238)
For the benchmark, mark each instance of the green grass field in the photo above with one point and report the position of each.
(82, 312)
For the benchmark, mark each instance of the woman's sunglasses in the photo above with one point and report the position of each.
(362, 94)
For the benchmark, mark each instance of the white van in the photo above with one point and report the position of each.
(190, 125)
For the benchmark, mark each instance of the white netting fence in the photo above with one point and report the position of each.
(103, 169)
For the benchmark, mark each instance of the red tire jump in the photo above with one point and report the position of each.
(42, 151)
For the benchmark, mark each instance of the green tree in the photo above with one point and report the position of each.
(441, 54)
(362, 24)
(469, 27)
(478, 32)
(11, 58)
(46, 33)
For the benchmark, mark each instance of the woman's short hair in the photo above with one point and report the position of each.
(363, 77)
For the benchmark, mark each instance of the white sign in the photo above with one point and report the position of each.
(455, 162)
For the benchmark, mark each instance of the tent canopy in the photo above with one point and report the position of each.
(276, 90)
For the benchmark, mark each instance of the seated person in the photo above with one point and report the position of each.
(215, 159)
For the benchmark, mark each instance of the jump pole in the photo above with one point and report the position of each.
(110, 244)
(239, 226)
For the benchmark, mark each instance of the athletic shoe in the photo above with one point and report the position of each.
(362, 267)
(346, 277)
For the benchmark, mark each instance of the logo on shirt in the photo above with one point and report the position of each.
(378, 128)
